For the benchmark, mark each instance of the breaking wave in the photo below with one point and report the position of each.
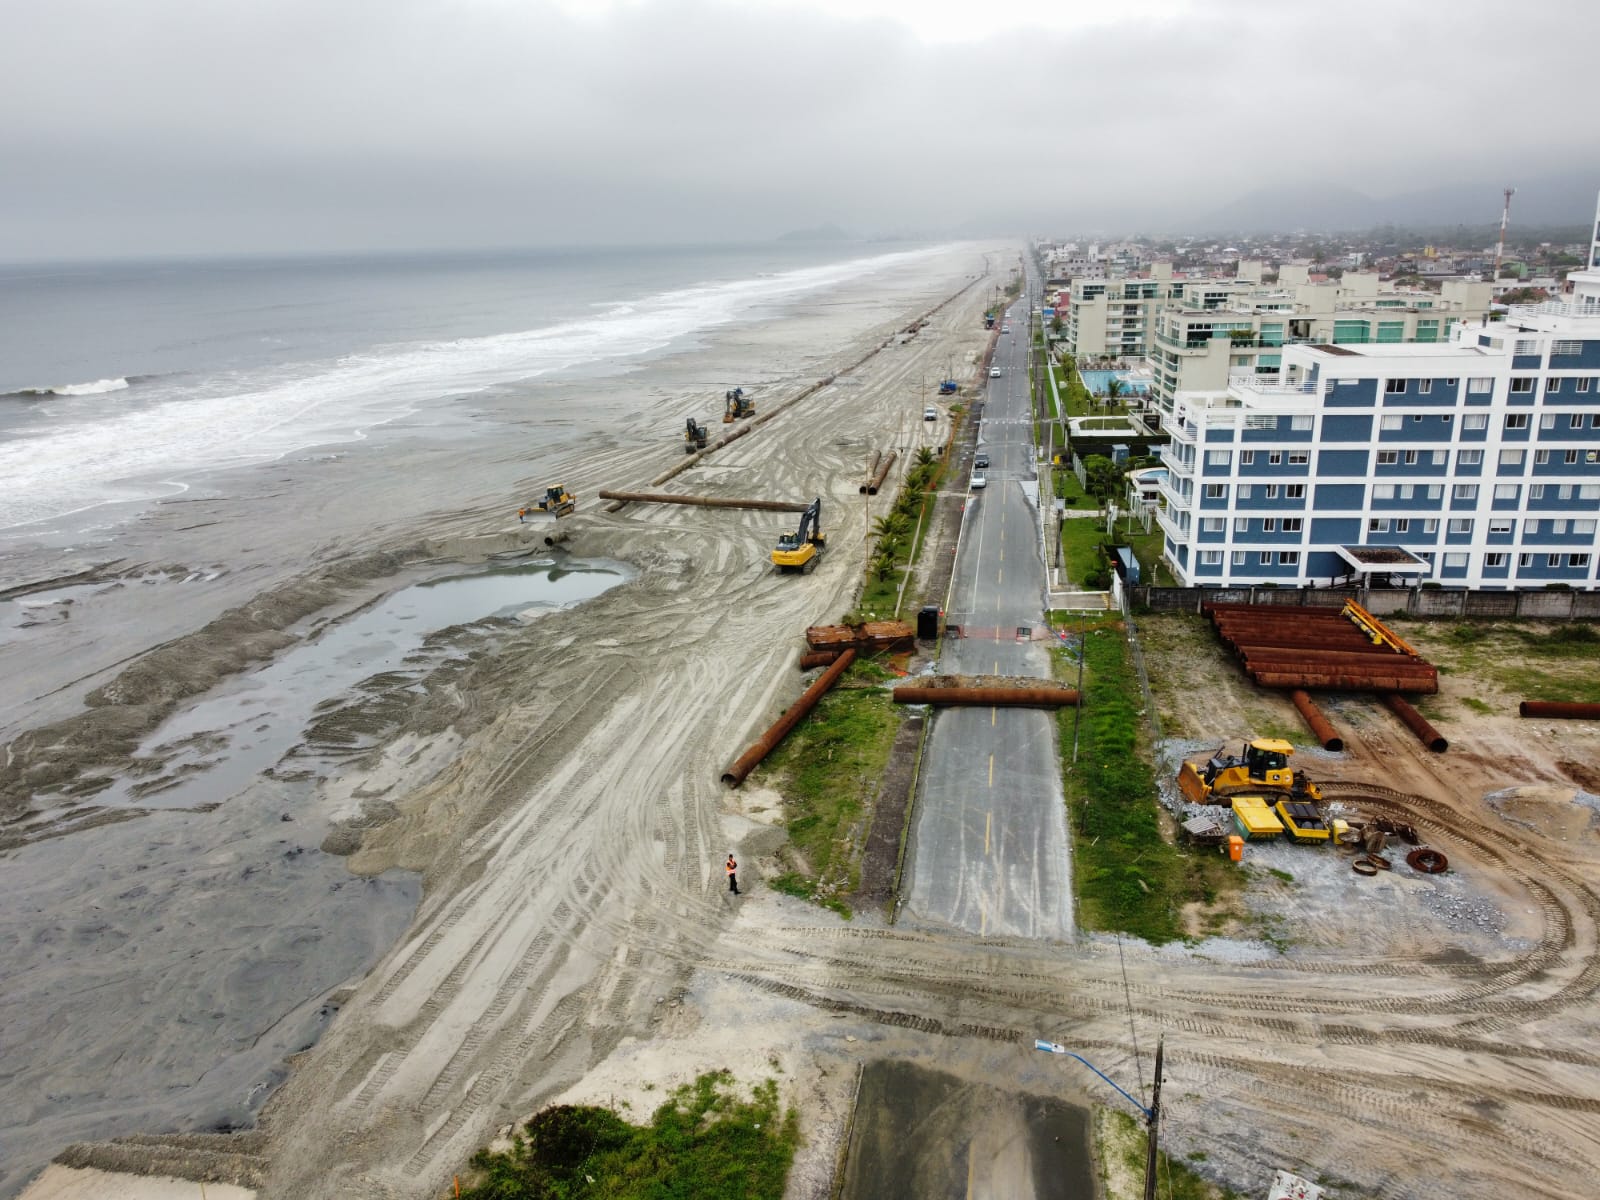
(76, 389)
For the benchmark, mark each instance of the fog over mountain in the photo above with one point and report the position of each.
(184, 126)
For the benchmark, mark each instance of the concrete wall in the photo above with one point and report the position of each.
(1416, 602)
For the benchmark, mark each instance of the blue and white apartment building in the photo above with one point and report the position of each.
(1473, 463)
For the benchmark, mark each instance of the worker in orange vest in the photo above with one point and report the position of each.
(733, 876)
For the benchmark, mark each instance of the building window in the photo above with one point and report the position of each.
(1424, 386)
(1564, 492)
(1300, 460)
(1391, 386)
(1522, 385)
(1402, 525)
(1502, 525)
(1391, 421)
(1464, 491)
(1211, 558)
(1552, 385)
(1552, 560)
(1524, 561)
(1594, 422)
(1589, 491)
(1300, 424)
(1212, 524)
(1536, 491)
(1558, 527)
(1388, 458)
(1246, 490)
(1435, 490)
(1411, 458)
(1469, 458)
(1460, 526)
(1506, 491)
(1295, 491)
(1291, 558)
(1577, 560)
(1238, 558)
(1216, 491)
(1264, 559)
(1430, 525)
(1570, 458)
(1270, 491)
(1241, 524)
(1416, 418)
(1247, 458)
(1525, 346)
(1378, 525)
(1511, 458)
(1575, 421)
(1295, 524)
(1275, 458)
(1218, 458)
(1584, 527)
(1547, 421)
(1583, 384)
(1541, 457)
(1516, 420)
(1566, 348)
(1479, 384)
(1383, 491)
(1455, 559)
(1475, 421)
(1494, 561)
(1269, 524)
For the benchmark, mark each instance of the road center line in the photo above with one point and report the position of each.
(991, 770)
(988, 820)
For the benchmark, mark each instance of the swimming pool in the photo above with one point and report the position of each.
(1096, 382)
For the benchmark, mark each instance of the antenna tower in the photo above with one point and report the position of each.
(1500, 249)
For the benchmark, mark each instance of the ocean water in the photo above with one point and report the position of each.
(118, 383)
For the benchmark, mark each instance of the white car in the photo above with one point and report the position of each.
(1005, 329)
(979, 482)
(930, 413)
(994, 372)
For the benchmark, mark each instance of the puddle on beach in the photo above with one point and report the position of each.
(158, 971)
(212, 749)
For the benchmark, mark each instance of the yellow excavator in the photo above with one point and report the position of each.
(556, 502)
(1263, 769)
(799, 551)
(738, 405)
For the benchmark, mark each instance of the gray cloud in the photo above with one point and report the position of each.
(187, 125)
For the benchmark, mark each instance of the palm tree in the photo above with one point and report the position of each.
(1113, 391)
(925, 456)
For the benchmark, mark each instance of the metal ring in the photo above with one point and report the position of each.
(1363, 866)
(1429, 862)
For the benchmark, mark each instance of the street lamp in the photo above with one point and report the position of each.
(1152, 1115)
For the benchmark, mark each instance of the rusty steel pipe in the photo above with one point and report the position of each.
(1417, 723)
(1314, 654)
(872, 470)
(994, 697)
(812, 659)
(876, 481)
(1320, 725)
(786, 506)
(1560, 709)
(1342, 681)
(556, 537)
(768, 741)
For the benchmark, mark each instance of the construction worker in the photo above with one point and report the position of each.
(733, 874)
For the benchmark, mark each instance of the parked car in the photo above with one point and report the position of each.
(981, 462)
(979, 482)
(1005, 329)
(930, 413)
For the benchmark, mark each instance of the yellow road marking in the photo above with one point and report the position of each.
(1001, 574)
(991, 770)
(992, 713)
(988, 820)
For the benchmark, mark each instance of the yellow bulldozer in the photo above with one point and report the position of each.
(1262, 769)
(556, 502)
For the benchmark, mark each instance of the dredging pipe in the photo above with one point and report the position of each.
(876, 481)
(556, 537)
(1560, 710)
(768, 741)
(1331, 681)
(787, 506)
(872, 471)
(1320, 725)
(812, 659)
(992, 697)
(1417, 723)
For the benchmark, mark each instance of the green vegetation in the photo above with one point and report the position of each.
(706, 1140)
(1081, 554)
(1076, 397)
(1129, 878)
(1525, 661)
(899, 535)
(1174, 1180)
(1067, 486)
(828, 771)
(1476, 705)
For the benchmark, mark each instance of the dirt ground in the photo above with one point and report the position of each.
(1404, 1036)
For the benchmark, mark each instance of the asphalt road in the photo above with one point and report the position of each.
(989, 841)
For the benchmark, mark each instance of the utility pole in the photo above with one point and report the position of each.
(1154, 1128)
(1500, 249)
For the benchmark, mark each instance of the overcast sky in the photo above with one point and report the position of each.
(134, 127)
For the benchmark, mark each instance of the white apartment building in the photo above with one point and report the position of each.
(1468, 463)
(1199, 350)
(1116, 317)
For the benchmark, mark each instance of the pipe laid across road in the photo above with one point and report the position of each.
(768, 741)
(1563, 710)
(1417, 723)
(1320, 725)
(994, 697)
(787, 506)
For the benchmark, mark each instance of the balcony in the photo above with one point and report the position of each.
(1551, 308)
(1266, 386)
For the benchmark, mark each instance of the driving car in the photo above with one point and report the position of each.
(930, 413)
(1005, 329)
(994, 372)
(979, 482)
(981, 462)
